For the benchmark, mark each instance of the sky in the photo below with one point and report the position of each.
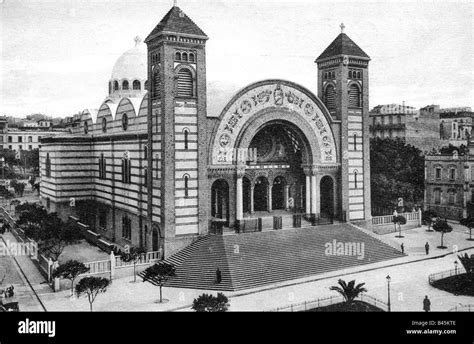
(57, 55)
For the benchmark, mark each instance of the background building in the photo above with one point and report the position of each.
(419, 128)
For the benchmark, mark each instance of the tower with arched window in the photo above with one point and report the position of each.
(343, 87)
(177, 109)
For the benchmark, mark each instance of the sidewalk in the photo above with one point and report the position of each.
(33, 281)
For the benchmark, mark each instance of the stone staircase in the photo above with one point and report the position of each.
(250, 260)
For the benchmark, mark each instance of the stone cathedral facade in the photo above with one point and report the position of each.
(160, 172)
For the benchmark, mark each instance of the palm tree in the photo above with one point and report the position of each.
(349, 291)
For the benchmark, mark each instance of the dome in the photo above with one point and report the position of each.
(132, 64)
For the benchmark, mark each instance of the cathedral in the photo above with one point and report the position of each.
(160, 172)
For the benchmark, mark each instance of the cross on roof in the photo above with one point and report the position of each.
(137, 40)
(342, 26)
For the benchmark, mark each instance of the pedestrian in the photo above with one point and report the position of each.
(426, 304)
(218, 276)
(427, 248)
(403, 248)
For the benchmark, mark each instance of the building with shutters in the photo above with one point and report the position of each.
(165, 172)
(449, 184)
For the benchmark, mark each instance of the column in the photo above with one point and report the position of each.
(317, 186)
(308, 194)
(269, 197)
(314, 200)
(239, 204)
(286, 195)
(251, 199)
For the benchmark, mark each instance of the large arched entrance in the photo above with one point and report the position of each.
(220, 200)
(327, 197)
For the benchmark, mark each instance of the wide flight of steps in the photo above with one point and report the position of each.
(251, 260)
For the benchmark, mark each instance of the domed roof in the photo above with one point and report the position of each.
(132, 64)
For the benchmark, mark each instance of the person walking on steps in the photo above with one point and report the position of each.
(427, 248)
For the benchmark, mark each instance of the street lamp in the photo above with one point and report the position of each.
(388, 288)
(456, 267)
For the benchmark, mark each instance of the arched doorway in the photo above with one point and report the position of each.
(327, 197)
(260, 194)
(220, 200)
(278, 189)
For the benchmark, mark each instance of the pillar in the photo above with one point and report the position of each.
(286, 195)
(251, 199)
(308, 194)
(314, 200)
(270, 186)
(239, 204)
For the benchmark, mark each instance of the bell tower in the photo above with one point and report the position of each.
(177, 170)
(343, 85)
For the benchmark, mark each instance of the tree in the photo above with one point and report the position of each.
(92, 286)
(469, 223)
(211, 303)
(400, 220)
(467, 262)
(56, 235)
(159, 274)
(396, 170)
(70, 270)
(443, 227)
(350, 290)
(429, 217)
(134, 255)
(19, 187)
(31, 213)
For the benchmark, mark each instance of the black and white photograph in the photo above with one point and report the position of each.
(237, 156)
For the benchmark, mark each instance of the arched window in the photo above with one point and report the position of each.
(355, 178)
(355, 142)
(102, 167)
(437, 196)
(186, 185)
(452, 173)
(191, 57)
(156, 82)
(186, 138)
(116, 85)
(177, 56)
(86, 127)
(136, 85)
(48, 166)
(330, 97)
(125, 85)
(124, 121)
(104, 125)
(145, 177)
(333, 75)
(184, 57)
(185, 83)
(126, 170)
(350, 74)
(358, 75)
(145, 152)
(354, 96)
(110, 87)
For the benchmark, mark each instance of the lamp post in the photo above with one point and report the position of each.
(388, 289)
(456, 267)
